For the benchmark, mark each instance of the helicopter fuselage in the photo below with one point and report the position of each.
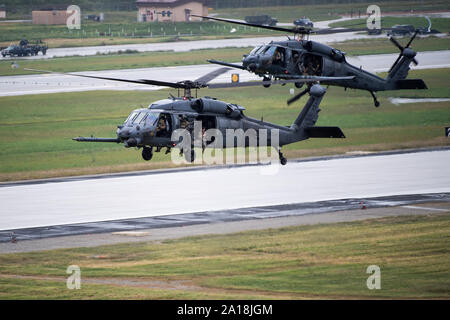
(292, 58)
(153, 126)
(185, 123)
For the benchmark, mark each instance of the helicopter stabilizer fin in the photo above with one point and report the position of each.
(324, 132)
(411, 84)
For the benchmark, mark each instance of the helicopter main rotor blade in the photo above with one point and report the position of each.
(212, 75)
(295, 30)
(338, 30)
(93, 139)
(226, 64)
(142, 81)
(290, 30)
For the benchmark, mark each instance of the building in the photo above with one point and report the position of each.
(49, 16)
(2, 12)
(170, 10)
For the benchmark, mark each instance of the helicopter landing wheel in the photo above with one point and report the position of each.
(147, 153)
(283, 160)
(190, 156)
(375, 100)
(266, 79)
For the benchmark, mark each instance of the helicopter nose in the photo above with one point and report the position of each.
(123, 133)
(247, 61)
(252, 67)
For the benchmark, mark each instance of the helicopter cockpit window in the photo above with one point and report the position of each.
(270, 50)
(140, 116)
(257, 50)
(131, 117)
(277, 54)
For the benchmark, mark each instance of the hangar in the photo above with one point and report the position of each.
(170, 10)
(53, 15)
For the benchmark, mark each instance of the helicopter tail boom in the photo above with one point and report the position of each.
(306, 120)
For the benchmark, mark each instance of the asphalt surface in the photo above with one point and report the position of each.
(60, 237)
(52, 83)
(183, 46)
(163, 194)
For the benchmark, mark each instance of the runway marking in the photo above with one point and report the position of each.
(425, 208)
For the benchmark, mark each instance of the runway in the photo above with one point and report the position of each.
(53, 83)
(164, 194)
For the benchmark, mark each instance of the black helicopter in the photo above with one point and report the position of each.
(298, 57)
(152, 128)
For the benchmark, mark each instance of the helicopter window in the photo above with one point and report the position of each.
(278, 56)
(270, 50)
(164, 126)
(143, 119)
(256, 50)
(312, 65)
(139, 117)
(152, 117)
(131, 117)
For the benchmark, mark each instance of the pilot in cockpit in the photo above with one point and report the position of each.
(162, 128)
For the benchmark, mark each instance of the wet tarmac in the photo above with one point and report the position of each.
(208, 217)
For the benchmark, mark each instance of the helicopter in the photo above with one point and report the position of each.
(151, 129)
(298, 57)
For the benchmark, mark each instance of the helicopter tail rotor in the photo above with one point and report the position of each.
(402, 50)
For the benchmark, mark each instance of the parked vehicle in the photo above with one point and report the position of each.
(401, 30)
(304, 22)
(24, 49)
(263, 20)
(16, 50)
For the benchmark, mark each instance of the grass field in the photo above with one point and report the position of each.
(312, 262)
(36, 130)
(132, 59)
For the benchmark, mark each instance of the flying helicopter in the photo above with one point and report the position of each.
(299, 57)
(151, 129)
